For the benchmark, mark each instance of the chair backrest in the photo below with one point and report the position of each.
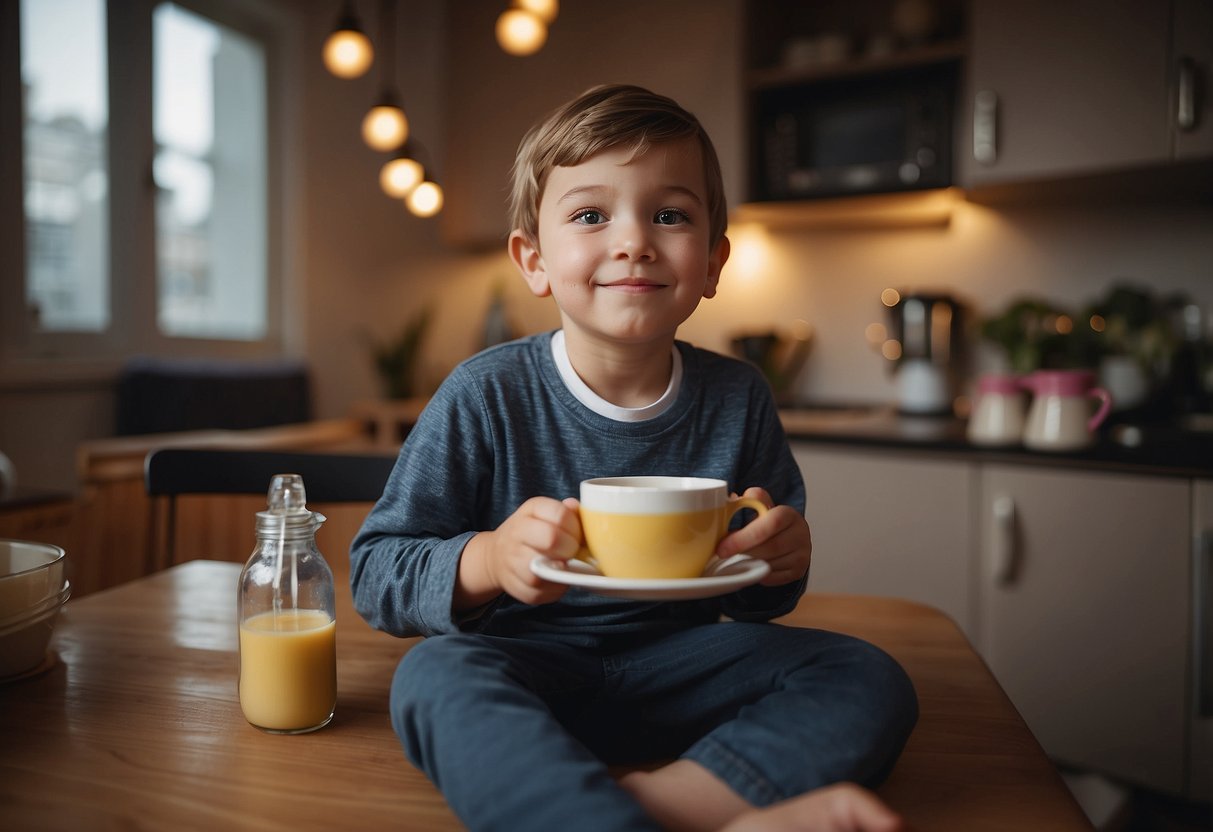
(328, 478)
(170, 473)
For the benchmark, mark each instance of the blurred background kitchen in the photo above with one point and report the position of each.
(922, 191)
(197, 184)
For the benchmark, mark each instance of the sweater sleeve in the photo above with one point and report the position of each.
(405, 559)
(770, 466)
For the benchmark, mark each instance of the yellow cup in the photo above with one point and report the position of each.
(655, 527)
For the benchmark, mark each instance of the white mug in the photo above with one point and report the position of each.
(999, 413)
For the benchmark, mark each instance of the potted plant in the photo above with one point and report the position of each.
(396, 359)
(1130, 333)
(1036, 334)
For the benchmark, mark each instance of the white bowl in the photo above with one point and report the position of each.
(30, 573)
(23, 645)
(46, 605)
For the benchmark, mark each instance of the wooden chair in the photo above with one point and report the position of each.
(172, 473)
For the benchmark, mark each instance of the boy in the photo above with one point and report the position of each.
(526, 689)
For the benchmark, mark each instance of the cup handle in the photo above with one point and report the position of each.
(734, 506)
(1105, 404)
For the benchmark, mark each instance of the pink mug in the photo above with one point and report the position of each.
(1060, 418)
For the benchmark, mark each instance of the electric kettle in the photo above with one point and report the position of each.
(929, 329)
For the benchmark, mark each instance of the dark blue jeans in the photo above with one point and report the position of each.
(518, 733)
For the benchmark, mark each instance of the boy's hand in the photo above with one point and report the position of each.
(500, 560)
(781, 537)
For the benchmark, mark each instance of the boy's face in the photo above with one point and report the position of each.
(624, 246)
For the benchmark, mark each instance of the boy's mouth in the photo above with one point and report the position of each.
(632, 284)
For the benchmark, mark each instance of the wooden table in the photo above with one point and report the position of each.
(136, 724)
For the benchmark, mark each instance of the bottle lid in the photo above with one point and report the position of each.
(287, 494)
(286, 509)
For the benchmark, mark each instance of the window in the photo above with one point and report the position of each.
(147, 206)
(63, 62)
(209, 125)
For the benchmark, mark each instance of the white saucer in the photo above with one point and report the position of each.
(720, 577)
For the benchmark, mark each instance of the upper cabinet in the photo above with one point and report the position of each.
(1191, 87)
(1083, 87)
(851, 98)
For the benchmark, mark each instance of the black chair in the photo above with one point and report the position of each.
(328, 478)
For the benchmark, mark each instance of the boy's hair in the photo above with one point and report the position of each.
(601, 118)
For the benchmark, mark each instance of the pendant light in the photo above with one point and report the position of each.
(347, 50)
(425, 200)
(384, 128)
(545, 10)
(521, 31)
(407, 176)
(400, 175)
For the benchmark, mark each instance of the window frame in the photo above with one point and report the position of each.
(27, 354)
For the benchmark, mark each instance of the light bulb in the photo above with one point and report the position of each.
(385, 128)
(545, 10)
(425, 200)
(399, 176)
(348, 53)
(520, 32)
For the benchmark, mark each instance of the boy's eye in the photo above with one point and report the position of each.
(670, 216)
(588, 217)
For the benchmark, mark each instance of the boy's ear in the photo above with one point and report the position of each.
(525, 253)
(716, 261)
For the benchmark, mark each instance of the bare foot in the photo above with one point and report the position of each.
(683, 796)
(843, 807)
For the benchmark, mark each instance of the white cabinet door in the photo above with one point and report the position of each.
(890, 524)
(1075, 87)
(1192, 87)
(1084, 614)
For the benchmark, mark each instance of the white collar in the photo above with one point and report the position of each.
(583, 393)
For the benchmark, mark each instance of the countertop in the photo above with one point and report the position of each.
(134, 722)
(1164, 450)
(22, 498)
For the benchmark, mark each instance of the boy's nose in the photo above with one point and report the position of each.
(632, 241)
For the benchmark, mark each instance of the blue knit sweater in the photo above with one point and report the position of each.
(503, 428)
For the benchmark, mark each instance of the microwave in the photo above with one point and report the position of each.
(855, 135)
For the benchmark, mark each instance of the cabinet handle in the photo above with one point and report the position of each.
(1002, 550)
(1185, 108)
(985, 127)
(1202, 623)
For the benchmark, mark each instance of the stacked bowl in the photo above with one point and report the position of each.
(33, 588)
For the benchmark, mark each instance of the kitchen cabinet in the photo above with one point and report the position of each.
(1200, 756)
(1084, 600)
(1084, 87)
(850, 98)
(1192, 83)
(1087, 592)
(44, 517)
(891, 526)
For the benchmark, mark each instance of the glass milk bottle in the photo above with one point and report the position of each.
(288, 646)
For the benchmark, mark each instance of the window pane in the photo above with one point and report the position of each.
(63, 72)
(210, 168)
